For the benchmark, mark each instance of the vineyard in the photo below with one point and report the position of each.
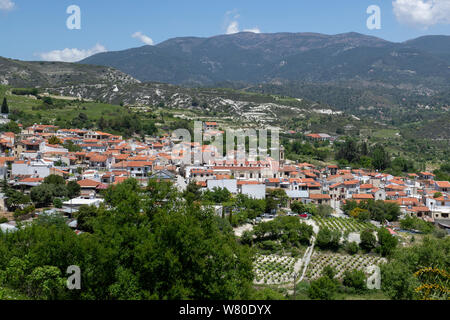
(342, 224)
(275, 269)
(341, 262)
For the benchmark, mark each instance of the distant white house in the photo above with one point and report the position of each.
(38, 168)
(254, 191)
(297, 195)
(229, 184)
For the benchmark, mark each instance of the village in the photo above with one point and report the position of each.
(104, 159)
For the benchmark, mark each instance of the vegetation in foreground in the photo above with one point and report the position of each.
(153, 244)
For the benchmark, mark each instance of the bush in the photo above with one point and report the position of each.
(20, 214)
(323, 288)
(57, 202)
(355, 279)
(329, 271)
(368, 240)
(352, 248)
(270, 246)
(328, 239)
(387, 242)
(3, 220)
(439, 233)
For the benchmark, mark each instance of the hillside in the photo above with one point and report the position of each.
(311, 57)
(41, 74)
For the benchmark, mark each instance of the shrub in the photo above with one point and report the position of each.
(368, 240)
(355, 279)
(352, 248)
(323, 288)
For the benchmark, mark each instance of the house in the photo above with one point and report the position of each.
(297, 195)
(318, 136)
(99, 161)
(440, 207)
(332, 170)
(442, 186)
(163, 175)
(37, 168)
(426, 175)
(362, 197)
(136, 169)
(74, 205)
(88, 188)
(320, 199)
(254, 191)
(229, 184)
(210, 126)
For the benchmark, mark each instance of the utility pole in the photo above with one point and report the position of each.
(295, 284)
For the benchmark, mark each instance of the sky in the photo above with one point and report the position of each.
(38, 29)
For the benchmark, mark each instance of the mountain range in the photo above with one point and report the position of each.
(279, 57)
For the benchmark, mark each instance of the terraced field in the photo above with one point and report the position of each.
(341, 262)
(275, 269)
(342, 224)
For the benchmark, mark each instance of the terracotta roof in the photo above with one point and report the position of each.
(362, 196)
(319, 196)
(88, 183)
(443, 184)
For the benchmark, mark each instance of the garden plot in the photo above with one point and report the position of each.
(275, 269)
(342, 224)
(340, 262)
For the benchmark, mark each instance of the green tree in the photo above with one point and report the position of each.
(54, 179)
(46, 283)
(355, 279)
(73, 189)
(5, 108)
(352, 248)
(54, 140)
(42, 195)
(126, 286)
(328, 239)
(324, 210)
(323, 288)
(193, 192)
(298, 207)
(397, 282)
(387, 242)
(381, 159)
(57, 202)
(368, 240)
(329, 271)
(348, 151)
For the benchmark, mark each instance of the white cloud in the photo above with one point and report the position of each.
(6, 5)
(232, 23)
(71, 55)
(233, 27)
(254, 30)
(422, 13)
(142, 37)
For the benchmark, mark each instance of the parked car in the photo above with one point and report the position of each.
(304, 215)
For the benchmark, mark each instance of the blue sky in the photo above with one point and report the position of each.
(36, 29)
